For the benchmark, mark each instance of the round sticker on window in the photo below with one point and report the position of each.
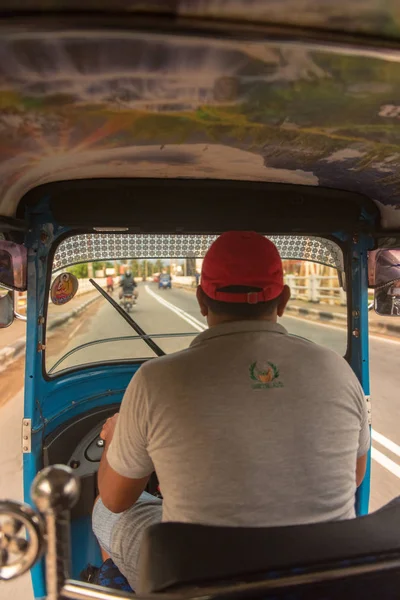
(64, 288)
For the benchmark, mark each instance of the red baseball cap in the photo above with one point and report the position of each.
(242, 258)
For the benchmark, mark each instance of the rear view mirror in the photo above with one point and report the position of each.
(6, 308)
(387, 299)
(13, 259)
(384, 276)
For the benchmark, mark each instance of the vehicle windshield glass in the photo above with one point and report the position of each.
(158, 294)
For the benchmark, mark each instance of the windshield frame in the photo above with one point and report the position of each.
(341, 240)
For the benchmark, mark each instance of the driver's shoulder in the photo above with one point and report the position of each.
(168, 364)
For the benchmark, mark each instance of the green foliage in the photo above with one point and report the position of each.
(98, 266)
(80, 271)
(146, 268)
(135, 267)
(158, 265)
(207, 115)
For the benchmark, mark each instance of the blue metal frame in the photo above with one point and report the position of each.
(51, 402)
(359, 354)
(36, 274)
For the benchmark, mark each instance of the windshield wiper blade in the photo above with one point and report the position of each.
(156, 349)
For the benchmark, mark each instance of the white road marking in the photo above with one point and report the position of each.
(385, 462)
(178, 311)
(385, 442)
(74, 331)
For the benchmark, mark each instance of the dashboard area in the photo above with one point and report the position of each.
(77, 443)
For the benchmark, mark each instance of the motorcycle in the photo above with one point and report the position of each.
(127, 302)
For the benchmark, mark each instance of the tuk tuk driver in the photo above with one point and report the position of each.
(249, 426)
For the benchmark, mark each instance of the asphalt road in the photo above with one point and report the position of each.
(176, 311)
(157, 312)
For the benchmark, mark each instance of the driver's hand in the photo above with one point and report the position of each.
(107, 432)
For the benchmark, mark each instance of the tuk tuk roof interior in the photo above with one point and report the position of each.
(185, 99)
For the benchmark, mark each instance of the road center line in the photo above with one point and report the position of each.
(385, 442)
(385, 462)
(178, 311)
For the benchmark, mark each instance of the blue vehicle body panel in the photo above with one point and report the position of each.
(50, 402)
(359, 357)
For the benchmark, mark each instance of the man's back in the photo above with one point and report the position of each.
(128, 283)
(249, 426)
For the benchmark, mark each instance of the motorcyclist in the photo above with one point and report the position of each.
(128, 284)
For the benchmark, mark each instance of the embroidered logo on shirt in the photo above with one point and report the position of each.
(264, 377)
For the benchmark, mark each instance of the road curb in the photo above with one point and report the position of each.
(341, 319)
(72, 315)
(323, 315)
(15, 350)
(390, 329)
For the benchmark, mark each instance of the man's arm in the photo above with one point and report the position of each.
(361, 468)
(364, 441)
(118, 493)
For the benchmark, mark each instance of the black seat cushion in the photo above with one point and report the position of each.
(176, 554)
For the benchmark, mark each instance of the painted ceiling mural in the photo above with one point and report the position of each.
(114, 104)
(377, 17)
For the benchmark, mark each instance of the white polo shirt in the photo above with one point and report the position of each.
(249, 426)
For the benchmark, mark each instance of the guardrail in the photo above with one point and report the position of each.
(184, 280)
(312, 288)
(85, 286)
(316, 289)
